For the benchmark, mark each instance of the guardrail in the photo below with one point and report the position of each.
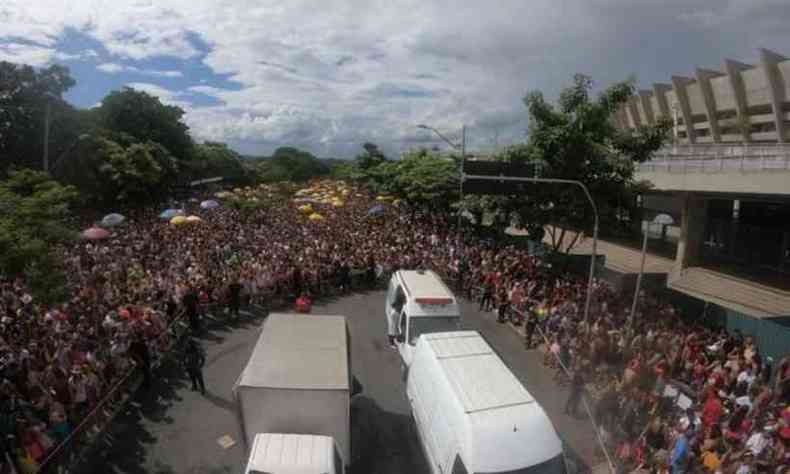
(713, 159)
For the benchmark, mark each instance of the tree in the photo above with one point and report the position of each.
(212, 159)
(291, 164)
(371, 157)
(33, 214)
(426, 180)
(576, 139)
(24, 95)
(144, 117)
(128, 173)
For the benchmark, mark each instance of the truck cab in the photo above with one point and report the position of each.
(418, 302)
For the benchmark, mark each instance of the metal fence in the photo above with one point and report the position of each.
(712, 158)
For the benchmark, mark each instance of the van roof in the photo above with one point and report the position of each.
(424, 284)
(299, 352)
(479, 378)
(291, 454)
(508, 429)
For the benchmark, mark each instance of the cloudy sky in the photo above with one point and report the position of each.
(329, 75)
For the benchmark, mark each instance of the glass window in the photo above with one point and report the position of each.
(399, 300)
(435, 324)
(555, 465)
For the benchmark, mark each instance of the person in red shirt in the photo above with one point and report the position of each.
(712, 411)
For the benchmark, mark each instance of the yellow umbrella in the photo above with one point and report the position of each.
(316, 217)
(337, 203)
(396, 202)
(307, 209)
(178, 220)
(194, 219)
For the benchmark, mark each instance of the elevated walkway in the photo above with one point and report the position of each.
(735, 169)
(728, 291)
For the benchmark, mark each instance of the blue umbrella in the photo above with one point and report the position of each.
(111, 220)
(171, 213)
(376, 210)
(210, 204)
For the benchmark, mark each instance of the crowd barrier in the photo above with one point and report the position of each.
(62, 456)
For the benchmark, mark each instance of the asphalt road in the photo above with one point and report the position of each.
(171, 429)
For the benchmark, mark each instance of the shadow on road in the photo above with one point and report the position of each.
(123, 446)
(383, 442)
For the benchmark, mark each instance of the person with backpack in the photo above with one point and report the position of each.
(194, 360)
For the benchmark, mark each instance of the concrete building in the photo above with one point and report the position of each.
(741, 103)
(725, 180)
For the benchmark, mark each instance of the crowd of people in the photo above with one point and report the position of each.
(58, 361)
(667, 393)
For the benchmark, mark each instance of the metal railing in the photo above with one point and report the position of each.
(719, 157)
(61, 457)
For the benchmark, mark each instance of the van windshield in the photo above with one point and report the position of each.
(419, 326)
(555, 465)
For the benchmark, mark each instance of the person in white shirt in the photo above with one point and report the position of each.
(757, 442)
(746, 375)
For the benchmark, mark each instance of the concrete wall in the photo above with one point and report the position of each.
(774, 181)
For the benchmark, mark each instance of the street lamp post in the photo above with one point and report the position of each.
(661, 219)
(462, 148)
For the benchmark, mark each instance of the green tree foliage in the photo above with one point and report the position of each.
(576, 139)
(291, 164)
(212, 159)
(426, 180)
(33, 214)
(144, 117)
(371, 157)
(24, 95)
(128, 173)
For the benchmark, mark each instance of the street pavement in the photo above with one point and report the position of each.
(171, 429)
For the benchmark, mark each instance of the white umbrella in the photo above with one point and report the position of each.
(113, 219)
(210, 204)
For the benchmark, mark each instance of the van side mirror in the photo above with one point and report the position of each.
(400, 338)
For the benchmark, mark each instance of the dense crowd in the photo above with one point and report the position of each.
(58, 361)
(668, 393)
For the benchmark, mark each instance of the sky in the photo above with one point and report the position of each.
(330, 75)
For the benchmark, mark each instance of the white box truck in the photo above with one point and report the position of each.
(293, 397)
(473, 415)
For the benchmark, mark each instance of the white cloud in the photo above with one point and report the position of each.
(110, 68)
(115, 68)
(26, 53)
(166, 96)
(364, 70)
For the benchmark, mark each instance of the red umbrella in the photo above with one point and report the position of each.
(95, 233)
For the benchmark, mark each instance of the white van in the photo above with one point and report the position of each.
(473, 415)
(418, 302)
